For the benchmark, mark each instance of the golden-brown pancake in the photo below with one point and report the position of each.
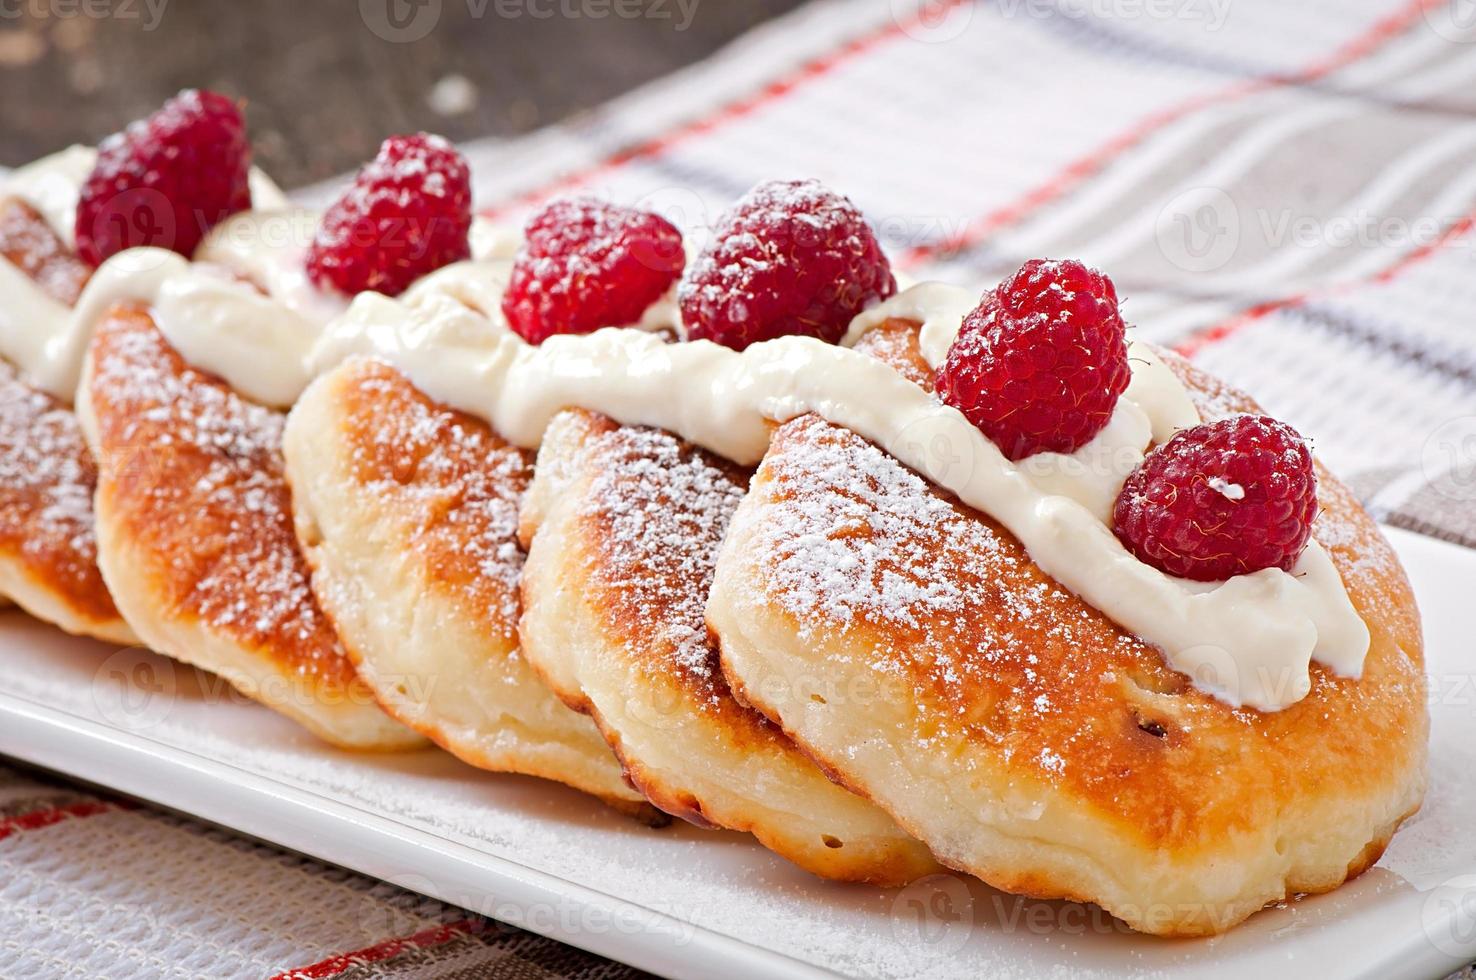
(32, 246)
(407, 512)
(195, 535)
(1022, 734)
(623, 526)
(48, 550)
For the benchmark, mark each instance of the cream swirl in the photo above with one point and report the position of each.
(246, 310)
(260, 334)
(44, 338)
(1248, 641)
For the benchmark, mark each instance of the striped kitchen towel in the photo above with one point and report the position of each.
(1283, 192)
(93, 886)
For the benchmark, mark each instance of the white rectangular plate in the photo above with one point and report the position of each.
(684, 902)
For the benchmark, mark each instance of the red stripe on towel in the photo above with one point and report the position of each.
(378, 953)
(1230, 327)
(1079, 170)
(772, 92)
(50, 816)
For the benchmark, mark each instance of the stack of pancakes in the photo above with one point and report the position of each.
(734, 636)
(828, 653)
(48, 550)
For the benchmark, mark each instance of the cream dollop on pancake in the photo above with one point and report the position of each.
(1024, 736)
(48, 548)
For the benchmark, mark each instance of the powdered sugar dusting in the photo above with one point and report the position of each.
(452, 484)
(854, 540)
(30, 244)
(663, 508)
(859, 537)
(46, 484)
(198, 485)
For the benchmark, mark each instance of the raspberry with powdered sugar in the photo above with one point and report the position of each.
(407, 214)
(791, 257)
(587, 264)
(166, 180)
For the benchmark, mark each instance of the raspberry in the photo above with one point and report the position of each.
(586, 264)
(1040, 362)
(166, 180)
(791, 257)
(407, 214)
(1221, 499)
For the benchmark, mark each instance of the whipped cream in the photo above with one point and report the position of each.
(246, 310)
(244, 330)
(1248, 641)
(44, 338)
(52, 185)
(264, 341)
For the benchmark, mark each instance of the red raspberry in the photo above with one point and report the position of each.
(586, 264)
(791, 257)
(407, 214)
(1040, 362)
(1221, 499)
(166, 180)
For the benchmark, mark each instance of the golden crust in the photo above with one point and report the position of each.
(648, 513)
(623, 526)
(453, 486)
(29, 243)
(407, 512)
(196, 538)
(48, 548)
(1023, 735)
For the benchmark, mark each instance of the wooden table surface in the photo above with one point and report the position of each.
(326, 80)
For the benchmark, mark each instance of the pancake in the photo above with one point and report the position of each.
(48, 549)
(1026, 738)
(195, 534)
(623, 525)
(407, 513)
(32, 246)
